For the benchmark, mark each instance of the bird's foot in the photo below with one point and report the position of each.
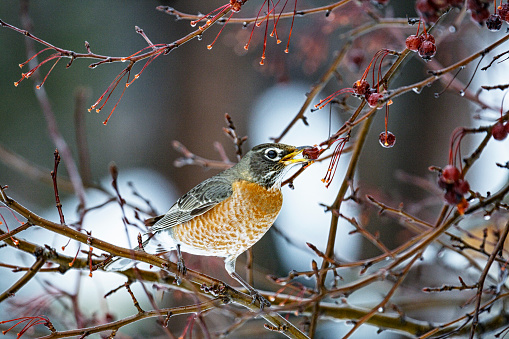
(181, 271)
(256, 296)
(181, 267)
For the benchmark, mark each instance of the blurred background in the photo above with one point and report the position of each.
(184, 96)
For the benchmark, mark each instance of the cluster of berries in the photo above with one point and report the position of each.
(373, 95)
(500, 130)
(455, 187)
(361, 88)
(431, 10)
(423, 44)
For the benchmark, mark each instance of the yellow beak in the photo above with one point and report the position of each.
(289, 158)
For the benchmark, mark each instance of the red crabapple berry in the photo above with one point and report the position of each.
(413, 42)
(494, 23)
(361, 87)
(450, 174)
(507, 127)
(387, 139)
(503, 10)
(311, 153)
(452, 197)
(499, 131)
(374, 98)
(427, 50)
(461, 186)
(428, 37)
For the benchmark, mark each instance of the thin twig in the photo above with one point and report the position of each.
(482, 278)
(41, 260)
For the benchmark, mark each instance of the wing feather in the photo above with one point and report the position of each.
(197, 201)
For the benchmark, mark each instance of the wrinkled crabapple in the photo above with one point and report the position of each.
(373, 99)
(503, 10)
(387, 139)
(311, 153)
(413, 42)
(494, 23)
(427, 50)
(450, 174)
(361, 87)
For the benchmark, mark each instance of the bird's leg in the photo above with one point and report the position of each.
(181, 267)
(229, 265)
(254, 293)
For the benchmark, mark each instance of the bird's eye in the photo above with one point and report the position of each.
(271, 154)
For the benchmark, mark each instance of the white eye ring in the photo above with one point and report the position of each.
(273, 154)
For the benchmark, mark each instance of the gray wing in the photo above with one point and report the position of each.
(197, 201)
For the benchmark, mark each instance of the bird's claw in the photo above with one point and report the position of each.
(181, 271)
(261, 299)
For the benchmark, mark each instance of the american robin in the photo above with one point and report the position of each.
(226, 214)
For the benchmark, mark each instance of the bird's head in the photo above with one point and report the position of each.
(266, 164)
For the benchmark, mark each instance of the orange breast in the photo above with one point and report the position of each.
(234, 225)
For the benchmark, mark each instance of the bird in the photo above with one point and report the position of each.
(225, 214)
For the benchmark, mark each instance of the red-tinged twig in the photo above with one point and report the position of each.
(55, 187)
(115, 325)
(9, 234)
(284, 15)
(231, 132)
(121, 201)
(76, 255)
(151, 52)
(443, 288)
(135, 301)
(18, 229)
(189, 326)
(47, 110)
(90, 254)
(144, 36)
(16, 268)
(291, 27)
(30, 322)
(336, 155)
(321, 254)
